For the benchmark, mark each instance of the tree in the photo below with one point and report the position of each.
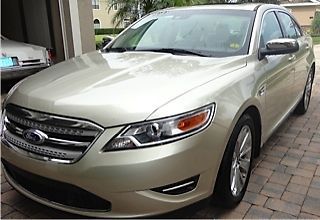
(133, 9)
(315, 26)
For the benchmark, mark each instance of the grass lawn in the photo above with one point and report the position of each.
(316, 40)
(99, 38)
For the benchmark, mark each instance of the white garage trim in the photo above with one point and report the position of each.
(63, 30)
(75, 25)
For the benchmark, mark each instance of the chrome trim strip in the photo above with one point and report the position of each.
(67, 142)
(22, 68)
(53, 128)
(31, 155)
(178, 187)
(63, 154)
(49, 140)
(68, 128)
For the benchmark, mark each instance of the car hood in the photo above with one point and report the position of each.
(118, 88)
(21, 50)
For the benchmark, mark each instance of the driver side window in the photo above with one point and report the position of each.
(288, 25)
(270, 29)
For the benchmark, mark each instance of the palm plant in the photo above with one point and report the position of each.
(133, 9)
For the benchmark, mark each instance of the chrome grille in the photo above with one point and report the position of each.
(66, 139)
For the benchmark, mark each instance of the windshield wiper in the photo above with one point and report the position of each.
(119, 49)
(175, 51)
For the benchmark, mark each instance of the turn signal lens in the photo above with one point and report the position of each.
(192, 122)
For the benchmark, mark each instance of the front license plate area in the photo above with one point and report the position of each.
(6, 62)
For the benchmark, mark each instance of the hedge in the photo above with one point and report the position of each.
(101, 31)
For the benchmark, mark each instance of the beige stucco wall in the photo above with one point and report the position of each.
(304, 14)
(102, 14)
(86, 30)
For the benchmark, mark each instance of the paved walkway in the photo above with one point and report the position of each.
(285, 182)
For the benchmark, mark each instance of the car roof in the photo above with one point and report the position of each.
(246, 6)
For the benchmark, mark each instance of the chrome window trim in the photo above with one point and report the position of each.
(275, 10)
(256, 33)
(294, 21)
(262, 20)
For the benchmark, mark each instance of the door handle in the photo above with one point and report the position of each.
(292, 58)
(307, 47)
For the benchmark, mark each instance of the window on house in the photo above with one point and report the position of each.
(115, 6)
(95, 4)
(96, 24)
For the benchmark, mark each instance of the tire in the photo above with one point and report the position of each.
(303, 104)
(226, 193)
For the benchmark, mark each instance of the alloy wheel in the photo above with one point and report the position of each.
(241, 160)
(307, 94)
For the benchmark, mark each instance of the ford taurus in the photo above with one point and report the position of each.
(171, 112)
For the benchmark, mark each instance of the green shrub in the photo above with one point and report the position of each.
(103, 31)
(315, 27)
(316, 40)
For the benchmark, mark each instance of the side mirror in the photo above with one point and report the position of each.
(279, 46)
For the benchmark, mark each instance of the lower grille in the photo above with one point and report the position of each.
(58, 192)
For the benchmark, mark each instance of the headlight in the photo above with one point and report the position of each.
(162, 131)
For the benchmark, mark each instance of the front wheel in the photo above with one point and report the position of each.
(235, 168)
(303, 105)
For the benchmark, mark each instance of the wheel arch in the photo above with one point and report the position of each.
(313, 68)
(253, 109)
(255, 115)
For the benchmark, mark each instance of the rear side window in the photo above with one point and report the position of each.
(288, 25)
(270, 29)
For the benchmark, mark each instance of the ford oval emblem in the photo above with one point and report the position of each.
(34, 136)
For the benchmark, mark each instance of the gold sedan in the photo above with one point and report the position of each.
(172, 110)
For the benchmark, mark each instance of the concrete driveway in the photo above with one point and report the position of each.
(285, 182)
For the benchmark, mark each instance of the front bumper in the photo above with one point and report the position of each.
(19, 71)
(124, 178)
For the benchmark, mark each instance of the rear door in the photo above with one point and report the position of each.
(299, 59)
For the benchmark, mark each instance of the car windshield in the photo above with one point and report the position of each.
(211, 32)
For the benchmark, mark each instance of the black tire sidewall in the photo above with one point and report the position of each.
(301, 108)
(304, 93)
(223, 183)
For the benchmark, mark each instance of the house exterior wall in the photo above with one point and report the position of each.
(103, 15)
(304, 14)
